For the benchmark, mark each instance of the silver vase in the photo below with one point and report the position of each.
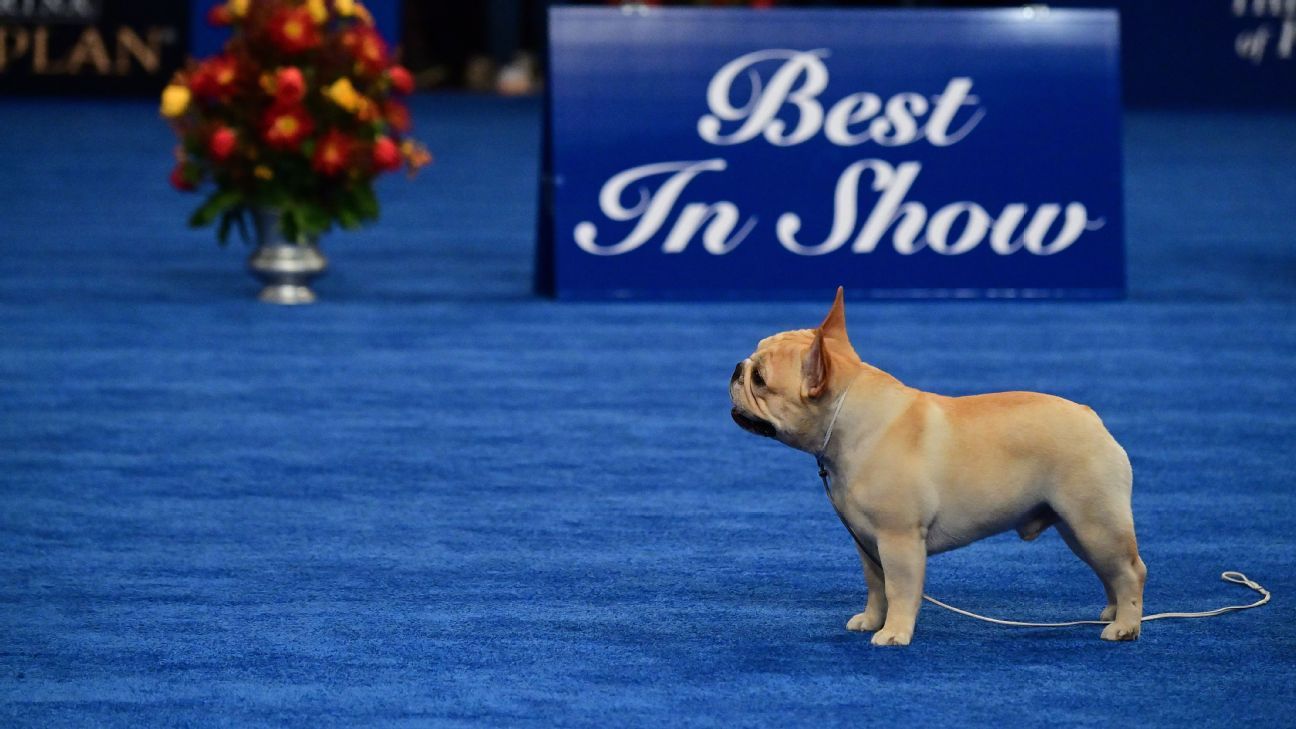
(287, 267)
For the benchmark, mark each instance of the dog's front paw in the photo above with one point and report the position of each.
(890, 636)
(865, 622)
(1116, 631)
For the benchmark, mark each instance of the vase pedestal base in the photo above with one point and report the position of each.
(285, 267)
(287, 294)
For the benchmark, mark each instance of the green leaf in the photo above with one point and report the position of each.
(291, 224)
(366, 202)
(222, 231)
(218, 203)
(348, 218)
(241, 219)
(315, 219)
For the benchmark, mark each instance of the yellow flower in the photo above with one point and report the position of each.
(318, 11)
(345, 8)
(238, 8)
(175, 100)
(263, 172)
(363, 14)
(344, 94)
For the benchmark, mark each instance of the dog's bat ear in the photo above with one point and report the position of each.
(814, 369)
(834, 325)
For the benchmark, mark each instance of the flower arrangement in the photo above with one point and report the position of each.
(299, 113)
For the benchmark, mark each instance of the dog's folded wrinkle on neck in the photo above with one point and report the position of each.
(903, 461)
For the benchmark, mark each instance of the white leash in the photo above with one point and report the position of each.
(1234, 577)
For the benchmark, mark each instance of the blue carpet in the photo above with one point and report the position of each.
(435, 499)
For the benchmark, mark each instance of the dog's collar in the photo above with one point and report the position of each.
(823, 449)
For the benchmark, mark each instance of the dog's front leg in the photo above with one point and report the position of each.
(875, 609)
(904, 561)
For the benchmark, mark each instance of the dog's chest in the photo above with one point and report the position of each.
(853, 511)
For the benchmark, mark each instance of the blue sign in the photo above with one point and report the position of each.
(694, 153)
(1214, 53)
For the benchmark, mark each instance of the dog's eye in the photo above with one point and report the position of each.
(757, 380)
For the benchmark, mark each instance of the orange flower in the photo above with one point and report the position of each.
(286, 128)
(292, 30)
(219, 16)
(332, 153)
(369, 49)
(386, 155)
(397, 115)
(416, 155)
(368, 111)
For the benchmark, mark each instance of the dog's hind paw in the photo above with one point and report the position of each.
(891, 637)
(864, 622)
(1116, 631)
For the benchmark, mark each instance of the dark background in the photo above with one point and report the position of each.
(39, 46)
(1180, 54)
(1174, 53)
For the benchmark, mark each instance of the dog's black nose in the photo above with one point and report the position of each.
(737, 372)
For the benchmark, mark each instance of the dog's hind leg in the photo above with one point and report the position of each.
(1112, 550)
(1069, 537)
(1099, 527)
(1098, 524)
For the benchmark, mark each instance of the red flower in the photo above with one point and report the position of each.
(386, 155)
(369, 49)
(215, 77)
(219, 16)
(401, 80)
(332, 154)
(286, 128)
(293, 30)
(182, 180)
(290, 86)
(397, 115)
(222, 143)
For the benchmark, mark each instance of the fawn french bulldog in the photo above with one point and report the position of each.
(915, 473)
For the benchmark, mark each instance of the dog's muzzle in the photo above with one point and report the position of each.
(756, 426)
(748, 423)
